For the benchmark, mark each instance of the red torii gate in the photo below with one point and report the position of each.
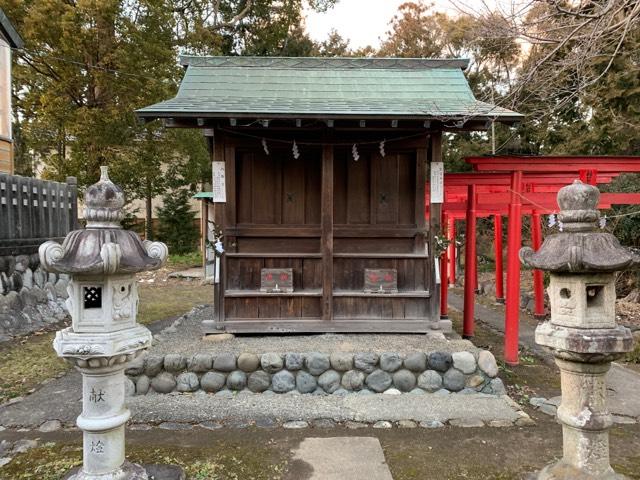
(498, 208)
(588, 168)
(458, 188)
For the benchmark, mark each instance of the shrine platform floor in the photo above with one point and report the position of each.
(185, 337)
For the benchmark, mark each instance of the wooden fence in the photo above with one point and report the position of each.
(33, 211)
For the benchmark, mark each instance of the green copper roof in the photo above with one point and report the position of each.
(200, 195)
(263, 87)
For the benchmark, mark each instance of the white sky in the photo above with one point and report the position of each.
(363, 22)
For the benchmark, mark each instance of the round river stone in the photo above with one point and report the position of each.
(440, 361)
(153, 365)
(283, 381)
(164, 383)
(305, 382)
(453, 380)
(200, 362)
(341, 361)
(416, 362)
(353, 380)
(390, 361)
(365, 361)
(259, 381)
(329, 381)
(404, 380)
(378, 381)
(248, 362)
(294, 361)
(317, 363)
(142, 385)
(487, 363)
(464, 361)
(225, 362)
(174, 362)
(237, 380)
(271, 362)
(431, 381)
(188, 382)
(212, 381)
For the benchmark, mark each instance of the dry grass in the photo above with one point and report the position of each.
(171, 298)
(51, 461)
(28, 361)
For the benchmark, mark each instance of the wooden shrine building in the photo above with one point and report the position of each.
(325, 162)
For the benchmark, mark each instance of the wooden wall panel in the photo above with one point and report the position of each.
(244, 190)
(340, 175)
(293, 191)
(278, 245)
(358, 189)
(313, 177)
(311, 274)
(373, 245)
(281, 307)
(277, 189)
(380, 308)
(406, 188)
(385, 198)
(263, 189)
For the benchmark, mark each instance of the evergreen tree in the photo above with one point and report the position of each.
(177, 222)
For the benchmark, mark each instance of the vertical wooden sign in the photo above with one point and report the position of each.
(218, 185)
(437, 182)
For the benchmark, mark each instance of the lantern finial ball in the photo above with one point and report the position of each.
(104, 202)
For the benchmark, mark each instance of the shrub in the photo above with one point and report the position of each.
(177, 227)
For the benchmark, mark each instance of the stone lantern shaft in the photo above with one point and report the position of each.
(582, 331)
(102, 261)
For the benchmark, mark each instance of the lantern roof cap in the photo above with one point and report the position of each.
(580, 247)
(103, 247)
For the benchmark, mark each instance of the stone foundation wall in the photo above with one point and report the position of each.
(317, 373)
(30, 298)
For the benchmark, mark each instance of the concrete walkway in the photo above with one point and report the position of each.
(338, 458)
(623, 384)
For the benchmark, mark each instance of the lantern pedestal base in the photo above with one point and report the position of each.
(129, 471)
(134, 471)
(563, 471)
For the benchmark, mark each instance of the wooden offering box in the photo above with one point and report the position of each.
(380, 280)
(276, 280)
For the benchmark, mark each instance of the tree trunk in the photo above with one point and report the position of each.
(633, 296)
(148, 233)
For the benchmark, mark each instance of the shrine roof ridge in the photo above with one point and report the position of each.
(323, 62)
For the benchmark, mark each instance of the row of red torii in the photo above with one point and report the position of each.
(514, 186)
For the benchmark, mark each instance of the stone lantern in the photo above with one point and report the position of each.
(102, 261)
(582, 331)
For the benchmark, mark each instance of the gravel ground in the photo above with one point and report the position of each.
(185, 337)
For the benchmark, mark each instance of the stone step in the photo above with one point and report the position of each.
(337, 458)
